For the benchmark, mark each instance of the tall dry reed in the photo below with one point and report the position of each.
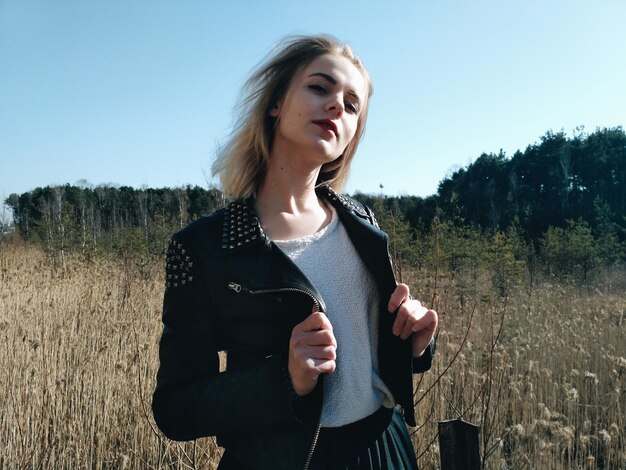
(542, 371)
(77, 366)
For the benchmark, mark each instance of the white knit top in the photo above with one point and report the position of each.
(330, 261)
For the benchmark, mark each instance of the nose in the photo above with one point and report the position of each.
(335, 105)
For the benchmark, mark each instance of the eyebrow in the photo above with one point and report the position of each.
(325, 76)
(332, 80)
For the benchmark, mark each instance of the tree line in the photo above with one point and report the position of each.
(561, 201)
(559, 205)
(106, 218)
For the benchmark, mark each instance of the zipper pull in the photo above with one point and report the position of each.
(234, 286)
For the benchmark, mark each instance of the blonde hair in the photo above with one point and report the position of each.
(241, 161)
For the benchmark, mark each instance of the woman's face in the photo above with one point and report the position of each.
(319, 113)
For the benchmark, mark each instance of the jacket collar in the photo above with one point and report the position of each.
(241, 227)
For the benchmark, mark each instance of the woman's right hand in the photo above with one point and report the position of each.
(312, 351)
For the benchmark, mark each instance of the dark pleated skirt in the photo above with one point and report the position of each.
(379, 442)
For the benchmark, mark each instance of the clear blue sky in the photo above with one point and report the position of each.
(140, 92)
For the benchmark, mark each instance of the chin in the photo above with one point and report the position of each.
(323, 160)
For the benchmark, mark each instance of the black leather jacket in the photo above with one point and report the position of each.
(229, 288)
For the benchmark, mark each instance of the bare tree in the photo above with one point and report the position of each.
(6, 220)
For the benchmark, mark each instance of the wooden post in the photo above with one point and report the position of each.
(458, 445)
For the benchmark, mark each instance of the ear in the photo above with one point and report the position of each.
(275, 111)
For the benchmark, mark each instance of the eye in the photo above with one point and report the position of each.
(351, 106)
(318, 89)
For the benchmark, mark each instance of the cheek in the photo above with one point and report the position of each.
(350, 131)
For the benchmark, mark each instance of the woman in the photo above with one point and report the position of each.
(294, 281)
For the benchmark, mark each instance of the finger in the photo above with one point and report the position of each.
(315, 321)
(325, 366)
(398, 323)
(407, 329)
(320, 338)
(323, 353)
(316, 344)
(409, 314)
(402, 326)
(425, 332)
(400, 294)
(427, 322)
(306, 356)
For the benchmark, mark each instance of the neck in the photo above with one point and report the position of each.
(286, 202)
(288, 187)
(286, 196)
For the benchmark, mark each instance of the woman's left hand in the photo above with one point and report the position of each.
(412, 319)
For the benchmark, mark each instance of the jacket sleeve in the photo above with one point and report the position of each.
(192, 398)
(424, 362)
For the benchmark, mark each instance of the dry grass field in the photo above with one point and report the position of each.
(542, 371)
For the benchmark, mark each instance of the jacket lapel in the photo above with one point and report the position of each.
(242, 233)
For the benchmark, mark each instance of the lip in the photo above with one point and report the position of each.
(328, 125)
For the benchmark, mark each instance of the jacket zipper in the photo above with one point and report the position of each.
(238, 288)
(318, 428)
